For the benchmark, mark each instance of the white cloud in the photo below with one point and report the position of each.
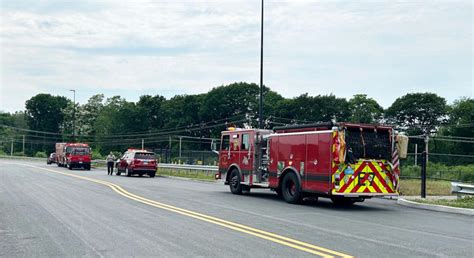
(170, 47)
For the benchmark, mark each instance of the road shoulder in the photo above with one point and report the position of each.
(433, 207)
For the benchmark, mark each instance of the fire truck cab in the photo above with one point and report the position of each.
(345, 162)
(73, 155)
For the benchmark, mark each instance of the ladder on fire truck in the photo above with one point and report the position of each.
(260, 173)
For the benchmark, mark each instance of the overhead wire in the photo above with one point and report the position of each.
(168, 131)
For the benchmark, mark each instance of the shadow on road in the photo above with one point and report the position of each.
(320, 203)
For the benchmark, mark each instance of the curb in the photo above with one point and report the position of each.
(433, 207)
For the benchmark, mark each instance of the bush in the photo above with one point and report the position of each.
(117, 154)
(463, 173)
(96, 155)
(41, 154)
(2, 153)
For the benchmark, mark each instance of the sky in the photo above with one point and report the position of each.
(384, 49)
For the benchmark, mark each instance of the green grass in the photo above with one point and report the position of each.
(464, 173)
(193, 174)
(411, 187)
(408, 187)
(467, 202)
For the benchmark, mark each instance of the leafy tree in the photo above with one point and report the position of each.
(88, 114)
(237, 102)
(17, 120)
(419, 113)
(44, 112)
(229, 101)
(152, 108)
(321, 108)
(118, 117)
(461, 124)
(182, 111)
(364, 110)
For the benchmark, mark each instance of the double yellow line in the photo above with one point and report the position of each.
(296, 244)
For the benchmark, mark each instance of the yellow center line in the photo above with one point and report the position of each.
(293, 243)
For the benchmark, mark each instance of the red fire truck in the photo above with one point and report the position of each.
(345, 162)
(72, 155)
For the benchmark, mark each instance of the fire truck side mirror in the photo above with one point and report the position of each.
(214, 147)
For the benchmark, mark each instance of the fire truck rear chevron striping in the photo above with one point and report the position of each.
(345, 162)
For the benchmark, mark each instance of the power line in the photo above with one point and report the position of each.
(167, 131)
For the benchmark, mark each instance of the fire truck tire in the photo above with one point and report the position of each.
(152, 174)
(69, 166)
(291, 189)
(118, 172)
(234, 182)
(88, 167)
(129, 172)
(342, 201)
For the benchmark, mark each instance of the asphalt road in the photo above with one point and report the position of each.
(43, 213)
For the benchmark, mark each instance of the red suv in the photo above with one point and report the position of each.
(138, 162)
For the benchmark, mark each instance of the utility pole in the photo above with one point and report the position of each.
(169, 148)
(180, 138)
(260, 108)
(416, 153)
(74, 117)
(424, 159)
(23, 145)
(11, 149)
(427, 139)
(143, 144)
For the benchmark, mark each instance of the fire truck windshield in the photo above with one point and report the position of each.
(78, 150)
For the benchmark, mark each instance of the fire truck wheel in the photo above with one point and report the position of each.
(234, 182)
(152, 174)
(129, 172)
(291, 189)
(69, 166)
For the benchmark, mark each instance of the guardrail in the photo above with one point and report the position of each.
(22, 157)
(462, 189)
(188, 167)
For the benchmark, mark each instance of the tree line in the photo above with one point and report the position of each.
(113, 123)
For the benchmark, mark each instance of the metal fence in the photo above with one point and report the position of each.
(438, 168)
(190, 157)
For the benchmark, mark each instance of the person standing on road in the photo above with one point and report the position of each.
(110, 163)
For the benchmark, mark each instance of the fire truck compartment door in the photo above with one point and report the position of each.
(317, 176)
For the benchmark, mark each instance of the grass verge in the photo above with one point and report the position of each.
(193, 174)
(467, 202)
(411, 187)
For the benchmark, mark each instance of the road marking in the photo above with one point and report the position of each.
(293, 243)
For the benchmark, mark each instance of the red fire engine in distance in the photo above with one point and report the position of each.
(73, 155)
